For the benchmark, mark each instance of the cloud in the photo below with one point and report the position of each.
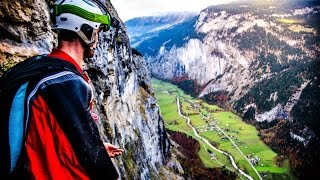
(129, 9)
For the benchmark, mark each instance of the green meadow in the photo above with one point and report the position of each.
(205, 117)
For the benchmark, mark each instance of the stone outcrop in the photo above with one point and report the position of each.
(25, 31)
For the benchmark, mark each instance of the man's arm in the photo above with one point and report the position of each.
(68, 98)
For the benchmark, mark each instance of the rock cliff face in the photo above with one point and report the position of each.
(24, 31)
(129, 115)
(124, 99)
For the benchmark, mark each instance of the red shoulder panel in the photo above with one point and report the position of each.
(49, 153)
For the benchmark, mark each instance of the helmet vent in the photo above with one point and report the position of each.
(63, 19)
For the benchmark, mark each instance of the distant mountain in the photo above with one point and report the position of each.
(154, 28)
(259, 58)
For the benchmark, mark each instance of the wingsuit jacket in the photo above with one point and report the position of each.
(50, 132)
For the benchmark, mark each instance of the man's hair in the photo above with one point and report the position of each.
(67, 35)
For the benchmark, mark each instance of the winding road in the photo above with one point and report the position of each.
(220, 151)
(234, 144)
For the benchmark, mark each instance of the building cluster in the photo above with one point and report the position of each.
(253, 160)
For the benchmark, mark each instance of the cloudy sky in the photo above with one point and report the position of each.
(129, 9)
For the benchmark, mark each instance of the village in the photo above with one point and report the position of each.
(211, 125)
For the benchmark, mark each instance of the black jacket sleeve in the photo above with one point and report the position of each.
(68, 98)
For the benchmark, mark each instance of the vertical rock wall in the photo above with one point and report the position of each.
(124, 100)
(25, 30)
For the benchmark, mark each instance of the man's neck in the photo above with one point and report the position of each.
(74, 50)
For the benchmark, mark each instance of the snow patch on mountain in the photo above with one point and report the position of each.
(273, 96)
(306, 10)
(269, 115)
(297, 137)
(295, 97)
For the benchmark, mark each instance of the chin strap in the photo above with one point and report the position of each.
(85, 39)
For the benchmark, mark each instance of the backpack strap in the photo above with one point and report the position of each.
(33, 68)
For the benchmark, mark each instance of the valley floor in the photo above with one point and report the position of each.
(219, 131)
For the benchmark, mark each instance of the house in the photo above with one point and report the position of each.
(254, 161)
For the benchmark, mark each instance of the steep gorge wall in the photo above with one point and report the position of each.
(129, 116)
(24, 31)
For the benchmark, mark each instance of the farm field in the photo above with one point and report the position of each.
(223, 129)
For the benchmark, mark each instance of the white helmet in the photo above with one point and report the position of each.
(73, 14)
